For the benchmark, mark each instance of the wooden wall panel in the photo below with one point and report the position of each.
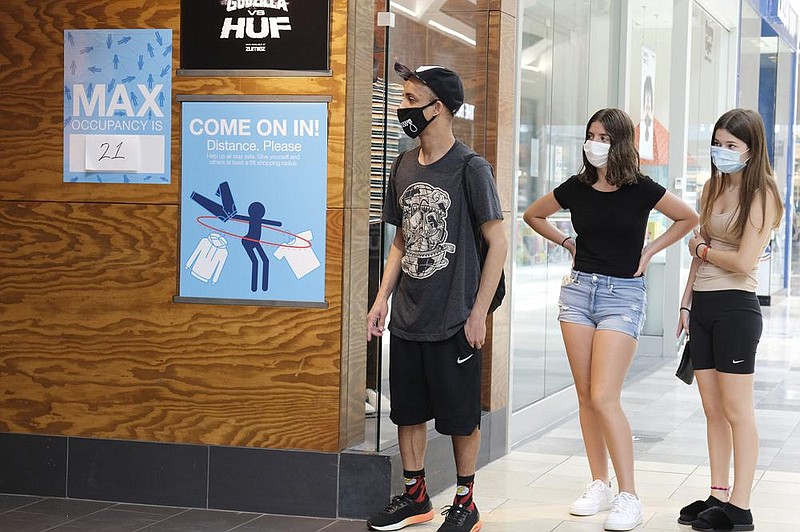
(92, 344)
(500, 133)
(31, 85)
(355, 285)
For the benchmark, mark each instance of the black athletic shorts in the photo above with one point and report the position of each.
(724, 330)
(436, 380)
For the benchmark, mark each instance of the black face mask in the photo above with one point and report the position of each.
(413, 120)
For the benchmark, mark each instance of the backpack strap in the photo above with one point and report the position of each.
(464, 187)
(481, 246)
(397, 160)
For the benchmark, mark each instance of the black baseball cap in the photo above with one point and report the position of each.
(444, 83)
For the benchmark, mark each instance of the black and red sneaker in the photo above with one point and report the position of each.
(401, 512)
(459, 519)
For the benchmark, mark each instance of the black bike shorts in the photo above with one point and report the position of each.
(724, 330)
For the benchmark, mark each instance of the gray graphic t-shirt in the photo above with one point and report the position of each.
(440, 268)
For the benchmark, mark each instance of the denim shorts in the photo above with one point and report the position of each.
(604, 302)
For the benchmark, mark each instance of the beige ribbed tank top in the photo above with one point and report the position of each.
(711, 277)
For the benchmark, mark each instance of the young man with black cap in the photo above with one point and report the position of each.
(436, 194)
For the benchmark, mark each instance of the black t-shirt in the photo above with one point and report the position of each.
(610, 226)
(440, 270)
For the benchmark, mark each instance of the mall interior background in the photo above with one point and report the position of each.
(573, 57)
(100, 365)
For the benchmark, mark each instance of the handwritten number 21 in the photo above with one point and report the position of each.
(105, 155)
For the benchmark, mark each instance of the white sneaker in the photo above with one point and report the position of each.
(597, 497)
(626, 513)
(373, 400)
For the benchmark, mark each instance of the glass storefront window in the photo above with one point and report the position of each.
(749, 57)
(782, 153)
(567, 71)
(424, 33)
(571, 64)
(708, 95)
(650, 63)
(531, 252)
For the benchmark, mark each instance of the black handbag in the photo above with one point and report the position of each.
(685, 369)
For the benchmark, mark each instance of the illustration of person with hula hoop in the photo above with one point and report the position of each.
(251, 242)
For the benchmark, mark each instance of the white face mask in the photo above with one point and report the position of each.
(596, 153)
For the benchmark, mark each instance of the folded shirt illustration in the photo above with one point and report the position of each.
(208, 258)
(301, 260)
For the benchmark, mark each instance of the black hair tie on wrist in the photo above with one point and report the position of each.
(685, 308)
(565, 241)
(697, 247)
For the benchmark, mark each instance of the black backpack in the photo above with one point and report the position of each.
(480, 243)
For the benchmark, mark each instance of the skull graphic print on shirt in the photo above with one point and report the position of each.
(425, 230)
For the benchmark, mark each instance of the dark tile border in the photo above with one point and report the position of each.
(273, 481)
(140, 472)
(33, 465)
(349, 484)
(357, 470)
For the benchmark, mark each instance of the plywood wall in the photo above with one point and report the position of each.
(91, 343)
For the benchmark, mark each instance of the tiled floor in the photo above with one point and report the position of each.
(530, 488)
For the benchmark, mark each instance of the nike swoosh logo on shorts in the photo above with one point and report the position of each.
(738, 361)
(460, 360)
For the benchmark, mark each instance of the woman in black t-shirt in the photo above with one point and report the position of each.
(602, 302)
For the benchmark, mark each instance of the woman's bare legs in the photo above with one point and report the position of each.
(718, 430)
(612, 353)
(737, 401)
(578, 340)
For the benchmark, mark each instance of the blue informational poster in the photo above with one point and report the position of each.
(117, 106)
(253, 202)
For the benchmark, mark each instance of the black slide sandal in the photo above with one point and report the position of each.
(716, 519)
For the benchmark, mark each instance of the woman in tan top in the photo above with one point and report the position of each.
(739, 207)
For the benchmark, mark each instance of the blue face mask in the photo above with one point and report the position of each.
(727, 161)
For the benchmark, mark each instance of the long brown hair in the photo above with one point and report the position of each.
(623, 158)
(757, 177)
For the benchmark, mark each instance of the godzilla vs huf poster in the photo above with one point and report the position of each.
(285, 35)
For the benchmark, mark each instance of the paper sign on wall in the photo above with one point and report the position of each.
(117, 105)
